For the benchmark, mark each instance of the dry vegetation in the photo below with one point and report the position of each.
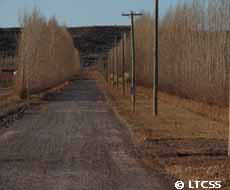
(182, 141)
(47, 56)
(194, 50)
(189, 138)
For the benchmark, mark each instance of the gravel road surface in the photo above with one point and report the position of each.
(73, 141)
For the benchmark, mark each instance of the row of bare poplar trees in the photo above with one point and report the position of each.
(46, 54)
(194, 48)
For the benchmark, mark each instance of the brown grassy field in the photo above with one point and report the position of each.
(188, 140)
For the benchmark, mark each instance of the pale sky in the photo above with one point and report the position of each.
(79, 12)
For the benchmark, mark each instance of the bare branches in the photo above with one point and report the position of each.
(46, 54)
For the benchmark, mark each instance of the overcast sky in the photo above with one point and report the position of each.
(78, 12)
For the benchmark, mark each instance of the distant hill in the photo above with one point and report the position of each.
(8, 40)
(89, 40)
(93, 40)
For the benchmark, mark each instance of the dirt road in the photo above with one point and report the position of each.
(73, 141)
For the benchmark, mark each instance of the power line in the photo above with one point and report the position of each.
(133, 83)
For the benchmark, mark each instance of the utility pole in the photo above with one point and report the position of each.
(229, 117)
(117, 73)
(110, 66)
(133, 83)
(105, 62)
(113, 65)
(156, 59)
(106, 66)
(107, 56)
(123, 62)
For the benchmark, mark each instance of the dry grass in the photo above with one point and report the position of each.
(194, 51)
(47, 55)
(188, 140)
(190, 137)
(215, 113)
(178, 118)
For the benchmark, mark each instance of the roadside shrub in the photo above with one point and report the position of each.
(194, 47)
(46, 55)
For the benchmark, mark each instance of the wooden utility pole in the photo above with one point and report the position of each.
(123, 63)
(110, 67)
(229, 117)
(104, 66)
(117, 64)
(133, 83)
(107, 60)
(113, 65)
(156, 59)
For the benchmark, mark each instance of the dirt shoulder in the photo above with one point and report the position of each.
(12, 106)
(188, 140)
(8, 98)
